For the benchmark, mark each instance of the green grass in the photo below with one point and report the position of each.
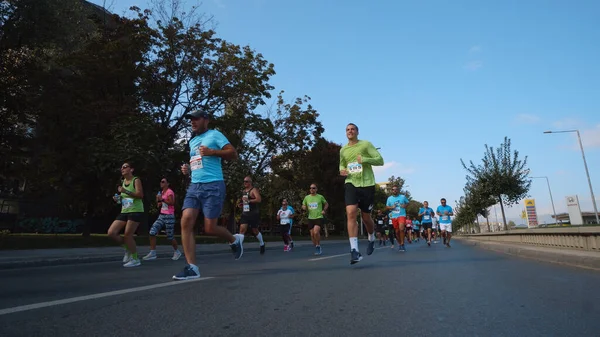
(48, 241)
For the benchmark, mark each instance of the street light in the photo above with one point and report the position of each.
(586, 170)
(551, 200)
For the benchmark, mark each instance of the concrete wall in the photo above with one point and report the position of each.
(583, 238)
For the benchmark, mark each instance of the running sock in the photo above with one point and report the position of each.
(260, 239)
(194, 268)
(125, 247)
(134, 256)
(372, 237)
(240, 238)
(354, 243)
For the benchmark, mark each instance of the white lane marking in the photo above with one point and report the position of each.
(328, 257)
(95, 296)
(332, 256)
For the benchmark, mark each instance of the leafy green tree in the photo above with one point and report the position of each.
(501, 175)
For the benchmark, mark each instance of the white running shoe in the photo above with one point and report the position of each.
(176, 255)
(150, 256)
(127, 257)
(132, 263)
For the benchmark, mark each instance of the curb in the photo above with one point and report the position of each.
(545, 254)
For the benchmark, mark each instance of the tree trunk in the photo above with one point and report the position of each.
(478, 225)
(487, 218)
(503, 215)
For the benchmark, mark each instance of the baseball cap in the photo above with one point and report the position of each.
(196, 114)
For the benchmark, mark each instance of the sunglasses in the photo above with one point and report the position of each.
(124, 166)
(247, 181)
(313, 188)
(163, 182)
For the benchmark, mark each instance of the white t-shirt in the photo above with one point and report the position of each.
(284, 216)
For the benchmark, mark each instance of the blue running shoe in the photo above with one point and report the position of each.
(371, 247)
(188, 273)
(355, 256)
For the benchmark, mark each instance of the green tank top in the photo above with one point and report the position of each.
(130, 204)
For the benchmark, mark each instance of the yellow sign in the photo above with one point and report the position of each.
(523, 214)
(531, 213)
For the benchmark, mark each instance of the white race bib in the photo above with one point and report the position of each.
(196, 162)
(396, 211)
(426, 217)
(285, 221)
(164, 206)
(246, 207)
(313, 205)
(444, 217)
(127, 203)
(390, 222)
(380, 222)
(354, 168)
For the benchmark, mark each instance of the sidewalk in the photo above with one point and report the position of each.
(571, 257)
(11, 259)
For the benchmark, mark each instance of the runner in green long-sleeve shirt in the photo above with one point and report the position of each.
(356, 161)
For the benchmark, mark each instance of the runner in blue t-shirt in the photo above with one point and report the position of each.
(426, 213)
(416, 229)
(206, 192)
(397, 203)
(445, 213)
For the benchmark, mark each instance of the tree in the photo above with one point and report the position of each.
(501, 175)
(511, 224)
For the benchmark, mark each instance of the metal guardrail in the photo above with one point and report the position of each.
(582, 238)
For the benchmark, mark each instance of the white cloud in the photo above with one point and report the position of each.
(474, 65)
(566, 123)
(392, 168)
(527, 119)
(219, 3)
(591, 137)
(475, 49)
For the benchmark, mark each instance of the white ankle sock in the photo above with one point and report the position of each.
(354, 243)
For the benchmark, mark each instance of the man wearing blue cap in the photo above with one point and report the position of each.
(206, 191)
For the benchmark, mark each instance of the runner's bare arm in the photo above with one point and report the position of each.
(257, 198)
(170, 200)
(228, 152)
(139, 191)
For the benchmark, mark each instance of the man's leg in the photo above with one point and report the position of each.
(188, 241)
(370, 227)
(351, 213)
(317, 234)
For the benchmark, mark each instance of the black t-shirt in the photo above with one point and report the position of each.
(380, 220)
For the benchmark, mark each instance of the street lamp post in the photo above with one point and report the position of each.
(586, 171)
(551, 199)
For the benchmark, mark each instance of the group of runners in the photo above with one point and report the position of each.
(405, 229)
(206, 195)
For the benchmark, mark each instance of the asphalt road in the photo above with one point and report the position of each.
(436, 291)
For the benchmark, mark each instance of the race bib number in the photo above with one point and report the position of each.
(164, 206)
(354, 168)
(313, 205)
(390, 222)
(396, 211)
(444, 217)
(246, 207)
(285, 221)
(196, 162)
(380, 222)
(127, 203)
(426, 217)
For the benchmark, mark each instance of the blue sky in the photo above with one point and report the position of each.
(431, 82)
